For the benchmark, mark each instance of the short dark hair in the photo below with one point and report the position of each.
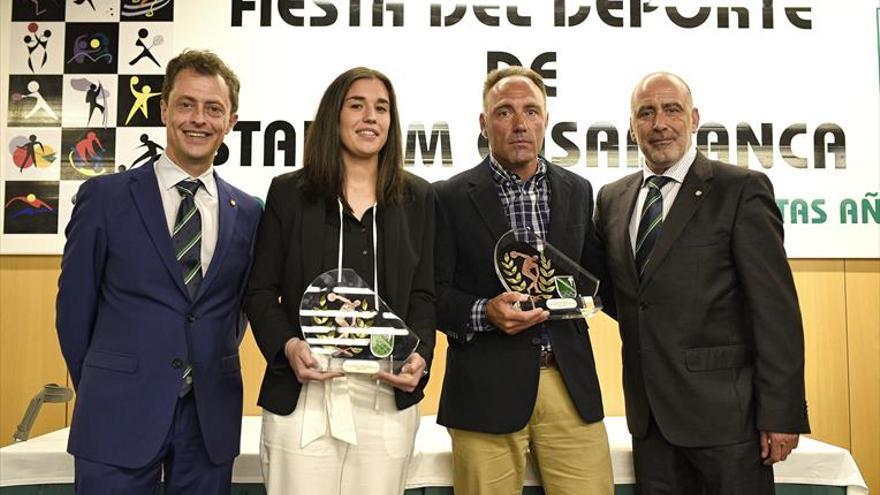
(323, 170)
(206, 63)
(495, 76)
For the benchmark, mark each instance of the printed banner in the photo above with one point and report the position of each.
(787, 87)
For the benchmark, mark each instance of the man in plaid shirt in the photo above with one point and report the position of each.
(515, 381)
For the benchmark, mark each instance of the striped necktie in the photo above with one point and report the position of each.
(651, 222)
(187, 239)
(187, 236)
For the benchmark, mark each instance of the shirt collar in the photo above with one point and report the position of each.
(678, 171)
(168, 174)
(502, 175)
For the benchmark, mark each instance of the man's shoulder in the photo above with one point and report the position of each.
(564, 172)
(568, 176)
(469, 174)
(724, 169)
(728, 173)
(242, 199)
(616, 186)
(457, 184)
(109, 184)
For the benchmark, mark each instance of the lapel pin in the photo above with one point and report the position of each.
(232, 203)
(698, 193)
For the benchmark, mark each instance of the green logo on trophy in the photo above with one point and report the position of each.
(528, 264)
(565, 286)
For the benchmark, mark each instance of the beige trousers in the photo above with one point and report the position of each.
(572, 456)
(377, 464)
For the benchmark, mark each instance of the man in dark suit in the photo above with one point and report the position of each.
(713, 351)
(514, 380)
(149, 303)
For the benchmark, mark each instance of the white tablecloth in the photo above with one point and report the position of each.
(43, 460)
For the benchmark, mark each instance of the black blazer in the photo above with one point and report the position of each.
(288, 256)
(491, 381)
(712, 336)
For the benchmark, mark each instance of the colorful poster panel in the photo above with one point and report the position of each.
(139, 97)
(30, 207)
(91, 48)
(87, 152)
(145, 48)
(38, 10)
(92, 10)
(32, 154)
(36, 47)
(138, 147)
(147, 10)
(89, 100)
(34, 101)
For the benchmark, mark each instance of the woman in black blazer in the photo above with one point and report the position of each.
(324, 432)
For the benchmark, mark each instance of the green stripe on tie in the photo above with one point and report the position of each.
(189, 246)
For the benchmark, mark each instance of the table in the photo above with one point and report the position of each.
(42, 466)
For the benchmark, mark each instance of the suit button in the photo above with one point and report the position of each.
(643, 306)
(536, 340)
(190, 318)
(176, 363)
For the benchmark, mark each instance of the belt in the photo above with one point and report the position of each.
(548, 359)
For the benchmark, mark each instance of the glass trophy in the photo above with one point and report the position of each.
(348, 325)
(528, 264)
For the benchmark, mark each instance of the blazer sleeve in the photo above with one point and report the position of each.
(269, 322)
(594, 252)
(254, 221)
(421, 312)
(82, 270)
(765, 276)
(453, 305)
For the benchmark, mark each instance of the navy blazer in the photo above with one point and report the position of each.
(491, 381)
(126, 322)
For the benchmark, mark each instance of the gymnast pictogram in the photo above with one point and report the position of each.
(36, 41)
(529, 269)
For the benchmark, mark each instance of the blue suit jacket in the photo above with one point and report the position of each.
(126, 322)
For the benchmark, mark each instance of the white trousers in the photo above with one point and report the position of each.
(377, 464)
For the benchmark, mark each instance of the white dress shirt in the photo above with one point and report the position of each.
(168, 175)
(669, 191)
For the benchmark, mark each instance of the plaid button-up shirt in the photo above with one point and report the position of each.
(527, 205)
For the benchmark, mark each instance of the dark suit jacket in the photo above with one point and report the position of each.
(289, 255)
(712, 336)
(126, 322)
(491, 380)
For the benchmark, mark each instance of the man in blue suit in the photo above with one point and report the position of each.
(149, 303)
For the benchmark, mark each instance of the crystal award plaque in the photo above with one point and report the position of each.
(346, 322)
(528, 264)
